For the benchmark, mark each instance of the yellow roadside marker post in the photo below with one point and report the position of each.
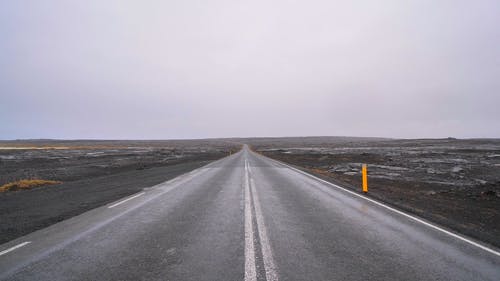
(365, 179)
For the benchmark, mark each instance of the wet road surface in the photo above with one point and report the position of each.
(246, 217)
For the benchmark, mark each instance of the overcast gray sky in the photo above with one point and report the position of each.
(196, 69)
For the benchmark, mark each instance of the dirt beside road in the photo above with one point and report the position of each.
(69, 161)
(455, 183)
(92, 175)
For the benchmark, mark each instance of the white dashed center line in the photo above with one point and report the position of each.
(15, 247)
(123, 201)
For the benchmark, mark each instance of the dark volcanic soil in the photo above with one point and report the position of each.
(455, 183)
(93, 175)
(68, 161)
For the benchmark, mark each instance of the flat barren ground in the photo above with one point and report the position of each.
(93, 173)
(455, 183)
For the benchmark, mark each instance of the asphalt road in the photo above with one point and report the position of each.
(246, 217)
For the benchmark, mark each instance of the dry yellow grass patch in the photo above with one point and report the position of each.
(319, 171)
(26, 184)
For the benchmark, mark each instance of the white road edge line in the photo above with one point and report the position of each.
(395, 210)
(267, 253)
(123, 201)
(15, 247)
(250, 269)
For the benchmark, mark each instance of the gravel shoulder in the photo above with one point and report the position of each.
(23, 212)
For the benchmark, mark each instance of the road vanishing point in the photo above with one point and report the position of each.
(247, 217)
